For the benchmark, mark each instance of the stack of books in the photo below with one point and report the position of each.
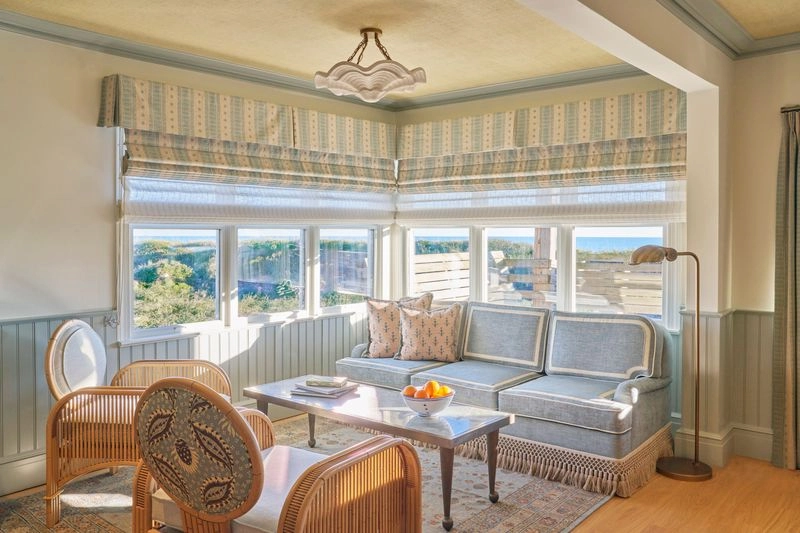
(324, 387)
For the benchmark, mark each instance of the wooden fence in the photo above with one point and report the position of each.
(610, 285)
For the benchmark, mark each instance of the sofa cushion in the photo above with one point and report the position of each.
(476, 382)
(506, 334)
(602, 346)
(288, 463)
(383, 318)
(430, 335)
(575, 401)
(388, 373)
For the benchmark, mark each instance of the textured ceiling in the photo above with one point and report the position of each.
(468, 49)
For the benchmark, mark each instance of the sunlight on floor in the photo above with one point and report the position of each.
(104, 500)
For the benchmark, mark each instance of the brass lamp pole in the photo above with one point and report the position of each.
(681, 468)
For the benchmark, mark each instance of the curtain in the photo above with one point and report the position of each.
(785, 398)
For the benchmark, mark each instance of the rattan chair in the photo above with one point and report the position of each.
(213, 477)
(90, 427)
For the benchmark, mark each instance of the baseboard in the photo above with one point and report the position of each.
(22, 474)
(752, 441)
(715, 449)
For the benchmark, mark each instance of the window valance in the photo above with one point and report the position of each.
(622, 152)
(621, 139)
(187, 134)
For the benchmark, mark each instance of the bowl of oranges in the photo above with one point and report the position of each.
(428, 399)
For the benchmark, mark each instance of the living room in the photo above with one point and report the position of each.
(60, 193)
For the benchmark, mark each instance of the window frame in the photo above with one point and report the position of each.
(228, 277)
(673, 287)
(127, 299)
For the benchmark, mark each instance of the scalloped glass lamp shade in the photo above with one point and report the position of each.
(369, 83)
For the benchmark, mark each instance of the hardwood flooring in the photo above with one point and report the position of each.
(747, 495)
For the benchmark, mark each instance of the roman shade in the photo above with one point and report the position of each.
(585, 160)
(221, 147)
(193, 154)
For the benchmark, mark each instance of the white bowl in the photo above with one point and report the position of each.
(428, 406)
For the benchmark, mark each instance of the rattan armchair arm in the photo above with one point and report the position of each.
(261, 426)
(88, 429)
(146, 372)
(371, 486)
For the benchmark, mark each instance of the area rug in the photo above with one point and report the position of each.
(527, 504)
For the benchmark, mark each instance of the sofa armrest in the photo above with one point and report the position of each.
(630, 390)
(359, 350)
(375, 485)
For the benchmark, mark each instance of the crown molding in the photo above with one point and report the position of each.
(716, 25)
(71, 36)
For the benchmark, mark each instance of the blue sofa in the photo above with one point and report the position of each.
(590, 392)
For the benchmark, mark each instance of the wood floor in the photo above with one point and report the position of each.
(747, 495)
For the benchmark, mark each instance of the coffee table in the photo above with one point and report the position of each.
(384, 410)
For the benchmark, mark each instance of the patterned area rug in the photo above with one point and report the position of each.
(527, 504)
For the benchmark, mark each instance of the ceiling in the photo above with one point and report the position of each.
(468, 49)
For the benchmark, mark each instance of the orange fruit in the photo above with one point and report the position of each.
(444, 390)
(422, 394)
(431, 387)
(409, 390)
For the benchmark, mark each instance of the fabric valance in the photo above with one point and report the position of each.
(187, 134)
(646, 114)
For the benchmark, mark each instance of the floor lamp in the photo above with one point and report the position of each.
(681, 468)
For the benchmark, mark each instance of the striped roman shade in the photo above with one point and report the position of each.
(620, 158)
(224, 147)
(622, 139)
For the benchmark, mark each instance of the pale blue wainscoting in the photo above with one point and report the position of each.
(250, 355)
(735, 386)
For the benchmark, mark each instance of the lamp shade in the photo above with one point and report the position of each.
(369, 83)
(652, 253)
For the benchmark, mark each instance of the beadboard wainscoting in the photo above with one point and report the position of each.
(735, 389)
(735, 404)
(250, 355)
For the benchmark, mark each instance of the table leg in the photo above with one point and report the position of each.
(263, 406)
(311, 422)
(491, 459)
(446, 464)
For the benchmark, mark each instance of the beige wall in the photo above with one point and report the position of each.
(763, 85)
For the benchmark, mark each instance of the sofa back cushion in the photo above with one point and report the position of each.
(507, 334)
(604, 346)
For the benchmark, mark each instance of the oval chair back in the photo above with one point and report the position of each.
(75, 358)
(200, 450)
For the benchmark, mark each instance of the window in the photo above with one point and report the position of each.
(270, 270)
(346, 262)
(605, 282)
(521, 266)
(440, 263)
(174, 276)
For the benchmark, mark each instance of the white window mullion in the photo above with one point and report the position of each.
(125, 282)
(565, 277)
(228, 276)
(312, 270)
(478, 266)
(674, 287)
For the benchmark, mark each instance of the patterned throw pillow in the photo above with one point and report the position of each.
(383, 317)
(430, 335)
